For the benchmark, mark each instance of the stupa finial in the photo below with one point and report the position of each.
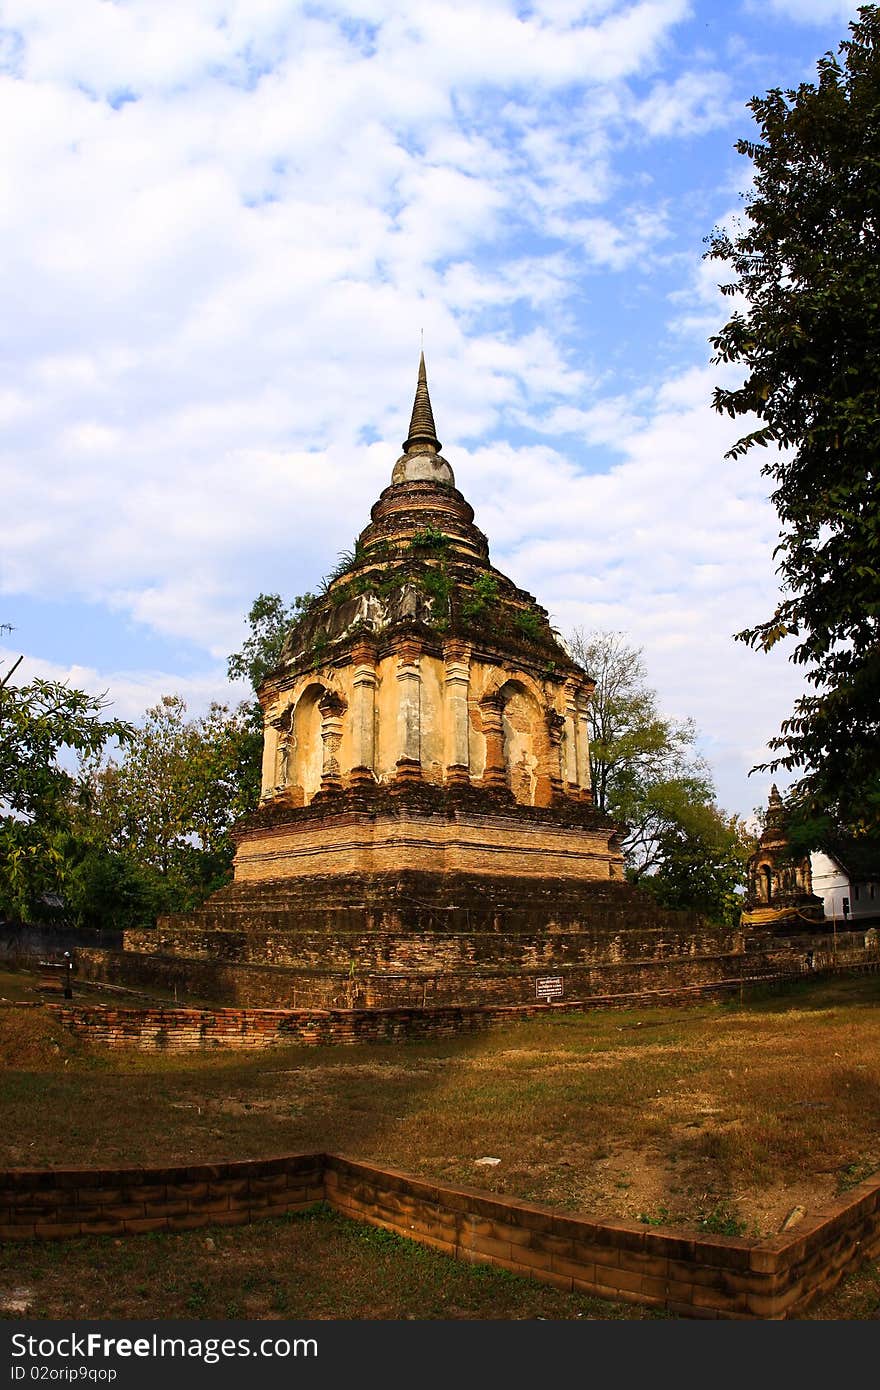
(422, 430)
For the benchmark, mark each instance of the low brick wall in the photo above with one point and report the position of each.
(47, 1203)
(713, 1278)
(187, 1030)
(203, 937)
(689, 1277)
(191, 1030)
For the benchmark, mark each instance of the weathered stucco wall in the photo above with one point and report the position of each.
(430, 710)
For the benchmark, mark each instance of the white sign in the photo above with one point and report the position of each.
(549, 987)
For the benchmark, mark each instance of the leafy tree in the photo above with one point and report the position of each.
(702, 856)
(632, 746)
(646, 775)
(168, 807)
(104, 887)
(653, 809)
(806, 330)
(270, 619)
(41, 723)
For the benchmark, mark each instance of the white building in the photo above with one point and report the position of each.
(847, 878)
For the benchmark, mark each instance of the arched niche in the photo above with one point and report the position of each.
(525, 744)
(306, 759)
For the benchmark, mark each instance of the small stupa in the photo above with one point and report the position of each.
(780, 883)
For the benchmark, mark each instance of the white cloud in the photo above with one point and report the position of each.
(694, 102)
(671, 545)
(224, 224)
(807, 11)
(129, 693)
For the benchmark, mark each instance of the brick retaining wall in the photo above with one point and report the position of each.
(689, 1277)
(171, 1029)
(186, 1030)
(716, 1278)
(280, 987)
(190, 1030)
(54, 1202)
(431, 952)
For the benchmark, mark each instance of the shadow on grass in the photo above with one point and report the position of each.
(814, 993)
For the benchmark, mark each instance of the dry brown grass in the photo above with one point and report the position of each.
(720, 1117)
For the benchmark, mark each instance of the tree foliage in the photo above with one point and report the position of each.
(646, 775)
(270, 619)
(169, 805)
(103, 887)
(104, 840)
(41, 723)
(632, 746)
(702, 856)
(805, 328)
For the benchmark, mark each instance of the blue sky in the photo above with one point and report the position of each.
(225, 224)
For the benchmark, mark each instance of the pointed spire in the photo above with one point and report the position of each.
(775, 821)
(421, 426)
